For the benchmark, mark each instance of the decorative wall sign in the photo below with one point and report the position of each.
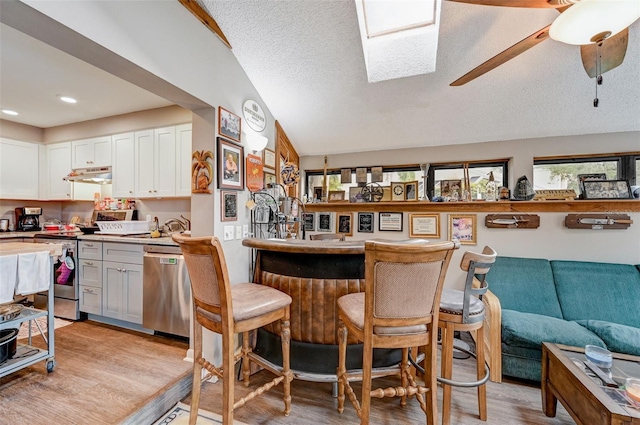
(463, 227)
(230, 165)
(255, 173)
(229, 205)
(344, 224)
(390, 221)
(365, 222)
(309, 220)
(424, 225)
(254, 115)
(345, 175)
(598, 221)
(376, 175)
(512, 221)
(325, 222)
(201, 171)
(361, 175)
(229, 124)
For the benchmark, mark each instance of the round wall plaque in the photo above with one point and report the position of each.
(254, 115)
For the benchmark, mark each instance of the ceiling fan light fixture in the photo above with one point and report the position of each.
(591, 21)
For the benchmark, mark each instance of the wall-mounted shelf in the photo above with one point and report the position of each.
(512, 221)
(598, 221)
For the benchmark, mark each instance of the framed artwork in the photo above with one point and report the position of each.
(317, 193)
(255, 173)
(464, 228)
(594, 176)
(606, 189)
(309, 222)
(229, 124)
(365, 222)
(269, 158)
(336, 195)
(411, 191)
(269, 178)
(325, 222)
(345, 175)
(201, 171)
(397, 191)
(386, 194)
(376, 174)
(424, 225)
(361, 175)
(449, 187)
(344, 224)
(355, 194)
(228, 205)
(390, 222)
(230, 165)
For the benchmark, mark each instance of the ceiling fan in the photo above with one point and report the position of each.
(605, 49)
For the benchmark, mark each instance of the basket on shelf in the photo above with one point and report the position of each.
(123, 227)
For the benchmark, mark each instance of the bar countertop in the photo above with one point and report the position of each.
(306, 246)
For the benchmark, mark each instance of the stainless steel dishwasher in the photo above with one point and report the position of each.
(166, 290)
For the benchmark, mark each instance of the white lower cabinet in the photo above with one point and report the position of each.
(122, 282)
(90, 277)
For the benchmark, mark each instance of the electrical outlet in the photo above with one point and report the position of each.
(238, 232)
(245, 230)
(228, 233)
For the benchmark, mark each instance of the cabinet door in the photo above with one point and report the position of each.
(91, 299)
(19, 167)
(165, 167)
(102, 147)
(183, 160)
(112, 281)
(59, 166)
(82, 153)
(144, 164)
(124, 163)
(132, 298)
(90, 272)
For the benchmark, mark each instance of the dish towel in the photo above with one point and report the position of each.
(34, 273)
(8, 277)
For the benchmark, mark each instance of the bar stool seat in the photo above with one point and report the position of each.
(452, 302)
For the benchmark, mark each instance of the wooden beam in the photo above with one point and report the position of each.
(204, 17)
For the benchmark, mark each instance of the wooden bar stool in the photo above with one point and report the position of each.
(327, 237)
(229, 309)
(464, 311)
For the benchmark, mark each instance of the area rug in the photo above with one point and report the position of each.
(179, 415)
(42, 321)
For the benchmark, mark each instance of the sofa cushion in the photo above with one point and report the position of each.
(619, 338)
(524, 284)
(598, 291)
(528, 330)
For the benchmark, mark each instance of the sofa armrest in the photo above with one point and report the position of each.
(493, 333)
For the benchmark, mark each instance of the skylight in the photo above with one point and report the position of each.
(399, 37)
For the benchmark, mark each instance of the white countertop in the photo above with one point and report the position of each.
(164, 240)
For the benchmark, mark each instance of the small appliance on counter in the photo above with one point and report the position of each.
(28, 219)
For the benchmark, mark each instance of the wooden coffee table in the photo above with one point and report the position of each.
(587, 402)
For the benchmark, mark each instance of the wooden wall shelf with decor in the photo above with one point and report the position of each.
(513, 207)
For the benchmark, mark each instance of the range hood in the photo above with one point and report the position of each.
(95, 175)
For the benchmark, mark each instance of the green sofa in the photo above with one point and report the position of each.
(576, 303)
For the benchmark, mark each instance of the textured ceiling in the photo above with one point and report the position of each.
(305, 59)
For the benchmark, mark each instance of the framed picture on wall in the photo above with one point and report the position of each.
(228, 205)
(606, 189)
(309, 220)
(269, 159)
(344, 224)
(411, 191)
(464, 228)
(230, 165)
(365, 222)
(390, 221)
(229, 124)
(325, 222)
(424, 225)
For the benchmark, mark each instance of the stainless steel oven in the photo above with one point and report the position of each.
(66, 289)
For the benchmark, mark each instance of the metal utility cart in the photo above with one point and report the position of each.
(26, 354)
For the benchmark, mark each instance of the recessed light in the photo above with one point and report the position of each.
(68, 99)
(9, 112)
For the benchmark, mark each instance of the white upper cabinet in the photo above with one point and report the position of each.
(155, 157)
(94, 152)
(58, 166)
(123, 172)
(19, 167)
(183, 160)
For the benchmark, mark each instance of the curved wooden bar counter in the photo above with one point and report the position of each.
(315, 274)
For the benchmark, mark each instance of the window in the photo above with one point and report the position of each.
(562, 173)
(478, 176)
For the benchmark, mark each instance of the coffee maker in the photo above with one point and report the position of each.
(28, 219)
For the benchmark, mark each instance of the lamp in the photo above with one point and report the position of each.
(592, 21)
(255, 141)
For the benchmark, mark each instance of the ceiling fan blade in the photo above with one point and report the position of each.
(519, 3)
(504, 56)
(613, 51)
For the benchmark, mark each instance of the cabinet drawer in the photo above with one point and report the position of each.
(122, 253)
(90, 250)
(90, 272)
(91, 299)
